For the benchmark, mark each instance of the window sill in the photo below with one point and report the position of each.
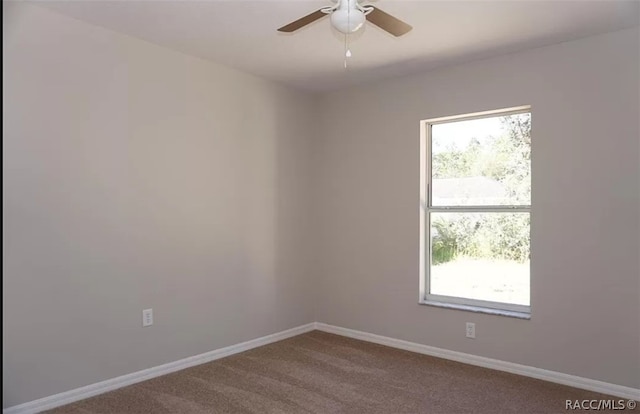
(477, 309)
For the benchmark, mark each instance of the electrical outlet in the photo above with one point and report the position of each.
(147, 317)
(471, 330)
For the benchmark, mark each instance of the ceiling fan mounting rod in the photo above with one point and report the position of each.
(348, 5)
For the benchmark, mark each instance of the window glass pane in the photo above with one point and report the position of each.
(483, 161)
(481, 256)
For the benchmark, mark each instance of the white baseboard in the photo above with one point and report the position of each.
(77, 394)
(524, 370)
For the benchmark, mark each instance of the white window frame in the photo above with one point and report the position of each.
(426, 208)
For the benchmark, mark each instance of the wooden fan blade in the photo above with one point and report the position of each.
(309, 18)
(387, 22)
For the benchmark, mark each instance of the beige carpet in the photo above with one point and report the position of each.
(324, 373)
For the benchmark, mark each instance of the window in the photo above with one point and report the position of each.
(475, 213)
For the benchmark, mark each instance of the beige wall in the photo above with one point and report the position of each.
(137, 177)
(585, 275)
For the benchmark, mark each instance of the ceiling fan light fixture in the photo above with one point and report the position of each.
(347, 21)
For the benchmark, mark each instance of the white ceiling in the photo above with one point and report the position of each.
(242, 34)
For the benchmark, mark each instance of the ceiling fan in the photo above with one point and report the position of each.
(348, 16)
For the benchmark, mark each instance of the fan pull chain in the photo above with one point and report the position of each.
(347, 51)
